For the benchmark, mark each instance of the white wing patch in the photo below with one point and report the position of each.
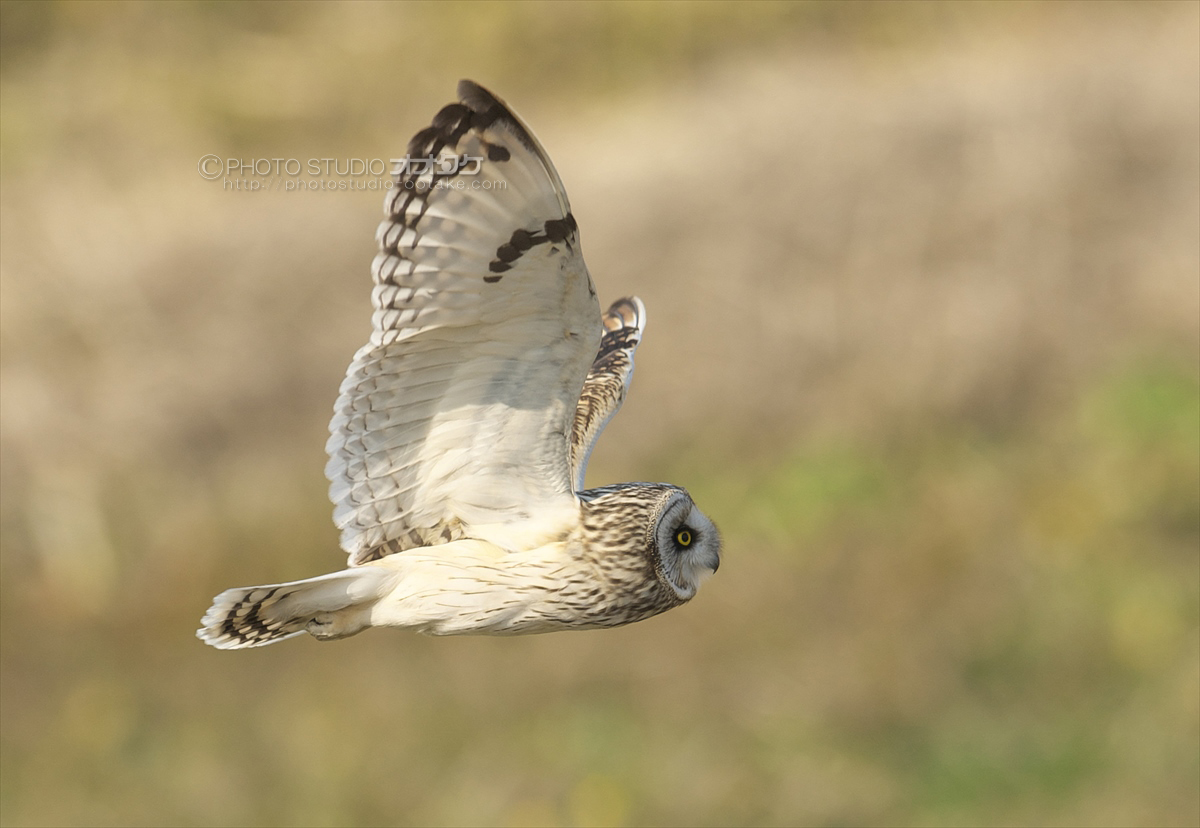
(455, 419)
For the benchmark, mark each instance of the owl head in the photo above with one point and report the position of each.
(656, 530)
(684, 542)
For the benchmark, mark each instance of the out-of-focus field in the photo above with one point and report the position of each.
(924, 295)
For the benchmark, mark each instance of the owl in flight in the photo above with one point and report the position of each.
(462, 431)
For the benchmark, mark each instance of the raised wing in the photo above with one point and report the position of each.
(453, 421)
(608, 380)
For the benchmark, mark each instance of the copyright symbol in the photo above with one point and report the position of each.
(206, 165)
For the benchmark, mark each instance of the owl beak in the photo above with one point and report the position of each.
(713, 560)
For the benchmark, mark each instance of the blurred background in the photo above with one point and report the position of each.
(924, 294)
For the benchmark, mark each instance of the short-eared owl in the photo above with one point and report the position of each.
(460, 437)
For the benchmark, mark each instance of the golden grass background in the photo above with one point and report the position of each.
(924, 297)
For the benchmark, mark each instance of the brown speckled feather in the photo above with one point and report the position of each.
(608, 380)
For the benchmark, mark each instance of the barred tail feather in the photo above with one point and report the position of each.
(330, 606)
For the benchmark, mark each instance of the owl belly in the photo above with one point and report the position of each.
(472, 587)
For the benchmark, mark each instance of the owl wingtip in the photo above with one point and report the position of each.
(478, 96)
(627, 312)
(468, 87)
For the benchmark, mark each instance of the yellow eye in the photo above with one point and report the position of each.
(683, 537)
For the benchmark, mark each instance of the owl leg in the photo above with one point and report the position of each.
(330, 626)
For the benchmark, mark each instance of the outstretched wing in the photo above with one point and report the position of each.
(607, 382)
(454, 420)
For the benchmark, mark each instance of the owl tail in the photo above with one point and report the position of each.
(330, 606)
